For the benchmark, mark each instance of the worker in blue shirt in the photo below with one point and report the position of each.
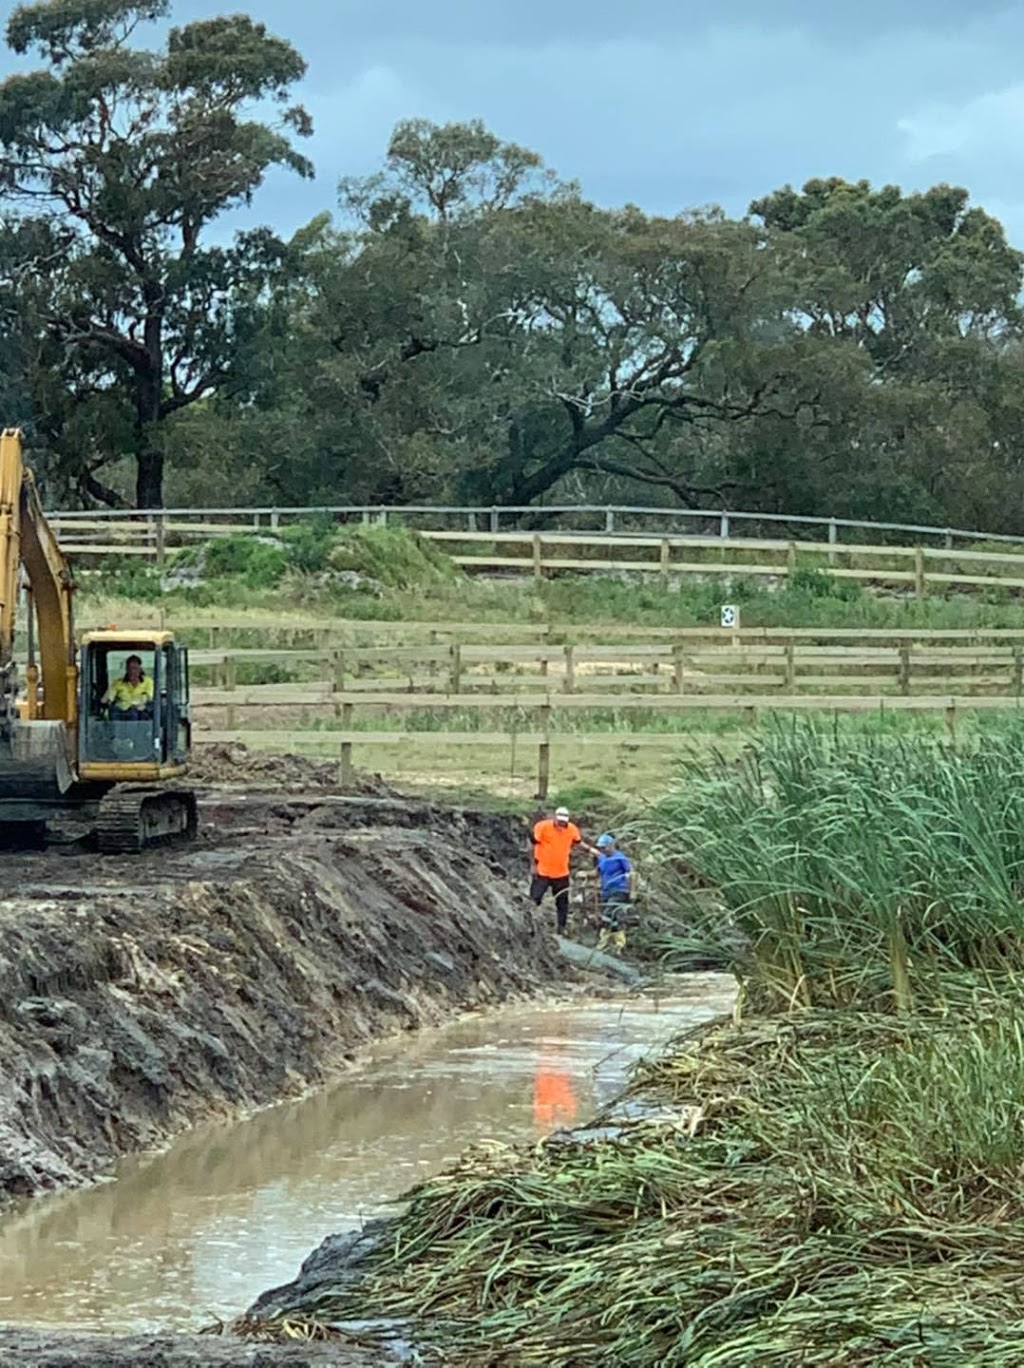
(616, 874)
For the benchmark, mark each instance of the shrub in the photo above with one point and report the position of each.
(394, 556)
(259, 562)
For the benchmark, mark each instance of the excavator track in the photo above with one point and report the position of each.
(134, 818)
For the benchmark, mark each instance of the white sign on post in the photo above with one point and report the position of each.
(730, 615)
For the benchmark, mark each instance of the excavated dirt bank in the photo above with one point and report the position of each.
(139, 996)
(44, 1349)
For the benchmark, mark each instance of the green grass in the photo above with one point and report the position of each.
(856, 868)
(419, 583)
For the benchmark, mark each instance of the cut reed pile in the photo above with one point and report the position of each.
(833, 1188)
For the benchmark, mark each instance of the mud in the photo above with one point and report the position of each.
(43, 1349)
(221, 765)
(141, 996)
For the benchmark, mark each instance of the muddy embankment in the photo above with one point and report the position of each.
(141, 996)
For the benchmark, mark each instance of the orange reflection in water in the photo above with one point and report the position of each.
(554, 1101)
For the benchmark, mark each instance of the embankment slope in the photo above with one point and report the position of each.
(139, 997)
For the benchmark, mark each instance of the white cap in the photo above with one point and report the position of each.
(562, 814)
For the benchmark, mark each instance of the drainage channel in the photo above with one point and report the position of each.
(199, 1231)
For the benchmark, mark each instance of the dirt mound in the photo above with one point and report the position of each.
(219, 764)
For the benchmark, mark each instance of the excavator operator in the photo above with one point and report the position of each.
(130, 699)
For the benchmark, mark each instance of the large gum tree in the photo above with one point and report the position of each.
(125, 156)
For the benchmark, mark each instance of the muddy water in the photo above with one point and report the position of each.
(200, 1230)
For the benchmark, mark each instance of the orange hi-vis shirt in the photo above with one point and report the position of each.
(552, 846)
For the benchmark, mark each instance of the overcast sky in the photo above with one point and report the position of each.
(669, 103)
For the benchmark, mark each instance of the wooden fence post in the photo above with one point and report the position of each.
(790, 559)
(919, 575)
(789, 682)
(677, 667)
(904, 670)
(538, 559)
(345, 771)
(544, 754)
(1018, 670)
(161, 540)
(666, 555)
(455, 681)
(230, 682)
(570, 669)
(339, 672)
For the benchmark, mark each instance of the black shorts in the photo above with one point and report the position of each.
(614, 909)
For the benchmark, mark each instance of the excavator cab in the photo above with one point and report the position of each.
(93, 732)
(133, 714)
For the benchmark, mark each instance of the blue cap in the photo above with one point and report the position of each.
(605, 840)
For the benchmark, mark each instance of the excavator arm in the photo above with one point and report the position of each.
(26, 539)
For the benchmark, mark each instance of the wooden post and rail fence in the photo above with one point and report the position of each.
(518, 694)
(917, 566)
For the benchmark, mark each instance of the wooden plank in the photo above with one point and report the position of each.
(268, 695)
(991, 581)
(331, 741)
(512, 537)
(581, 702)
(939, 553)
(72, 550)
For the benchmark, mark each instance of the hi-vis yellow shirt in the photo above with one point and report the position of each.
(122, 695)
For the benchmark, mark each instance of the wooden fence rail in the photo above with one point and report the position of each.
(494, 518)
(917, 567)
(543, 736)
(505, 674)
(273, 633)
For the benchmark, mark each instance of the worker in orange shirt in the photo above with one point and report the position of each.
(554, 840)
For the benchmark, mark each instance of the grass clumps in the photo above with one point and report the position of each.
(393, 556)
(311, 562)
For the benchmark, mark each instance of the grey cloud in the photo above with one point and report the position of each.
(668, 105)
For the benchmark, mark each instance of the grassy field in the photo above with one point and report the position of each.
(384, 574)
(402, 586)
(620, 776)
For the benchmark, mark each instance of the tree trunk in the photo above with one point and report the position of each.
(149, 477)
(149, 456)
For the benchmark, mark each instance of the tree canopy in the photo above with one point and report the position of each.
(123, 157)
(467, 325)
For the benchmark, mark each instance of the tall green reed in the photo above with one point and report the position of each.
(854, 869)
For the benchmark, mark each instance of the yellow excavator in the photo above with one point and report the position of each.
(66, 749)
